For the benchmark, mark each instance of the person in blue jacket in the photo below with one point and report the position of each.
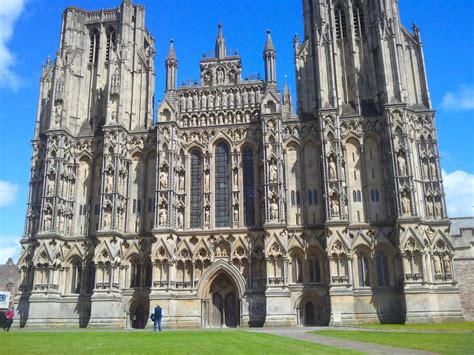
(156, 318)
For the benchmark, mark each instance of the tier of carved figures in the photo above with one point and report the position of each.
(220, 99)
(362, 260)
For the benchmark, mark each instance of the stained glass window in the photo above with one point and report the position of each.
(196, 189)
(249, 187)
(222, 165)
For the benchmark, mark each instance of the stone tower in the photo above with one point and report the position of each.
(361, 74)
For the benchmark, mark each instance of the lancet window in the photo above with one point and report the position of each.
(196, 189)
(222, 189)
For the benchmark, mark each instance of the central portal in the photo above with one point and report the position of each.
(224, 302)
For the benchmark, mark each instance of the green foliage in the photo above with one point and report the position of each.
(145, 342)
(445, 343)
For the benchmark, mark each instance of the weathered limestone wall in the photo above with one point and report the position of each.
(464, 271)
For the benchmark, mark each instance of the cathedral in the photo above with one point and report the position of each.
(229, 205)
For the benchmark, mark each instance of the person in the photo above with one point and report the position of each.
(9, 315)
(156, 318)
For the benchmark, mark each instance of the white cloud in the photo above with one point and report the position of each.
(8, 193)
(9, 248)
(460, 100)
(10, 10)
(459, 189)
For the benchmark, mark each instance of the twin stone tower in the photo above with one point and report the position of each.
(231, 209)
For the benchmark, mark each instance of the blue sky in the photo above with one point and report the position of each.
(29, 32)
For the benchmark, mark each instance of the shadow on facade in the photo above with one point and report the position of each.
(257, 308)
(138, 309)
(23, 308)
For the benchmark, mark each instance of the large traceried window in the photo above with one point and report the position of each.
(196, 189)
(222, 165)
(249, 186)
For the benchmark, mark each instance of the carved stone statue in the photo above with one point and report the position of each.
(164, 179)
(206, 181)
(182, 103)
(163, 216)
(189, 103)
(109, 182)
(402, 166)
(238, 99)
(251, 97)
(220, 76)
(196, 101)
(207, 78)
(334, 206)
(434, 171)
(210, 102)
(332, 169)
(217, 103)
(203, 101)
(180, 218)
(437, 264)
(115, 82)
(438, 208)
(273, 172)
(106, 219)
(447, 264)
(430, 207)
(225, 98)
(207, 216)
(406, 206)
(245, 97)
(273, 209)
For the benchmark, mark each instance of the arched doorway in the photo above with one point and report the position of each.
(139, 310)
(224, 310)
(311, 311)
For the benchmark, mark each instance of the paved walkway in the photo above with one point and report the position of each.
(302, 334)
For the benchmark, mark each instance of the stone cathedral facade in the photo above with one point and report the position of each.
(229, 208)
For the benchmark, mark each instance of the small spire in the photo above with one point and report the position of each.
(269, 44)
(171, 52)
(220, 43)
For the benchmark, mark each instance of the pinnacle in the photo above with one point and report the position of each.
(269, 44)
(171, 52)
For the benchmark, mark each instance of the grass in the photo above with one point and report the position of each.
(445, 343)
(445, 327)
(182, 342)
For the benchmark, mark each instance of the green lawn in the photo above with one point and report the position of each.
(446, 327)
(182, 342)
(446, 343)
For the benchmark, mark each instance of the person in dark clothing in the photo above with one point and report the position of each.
(156, 318)
(9, 315)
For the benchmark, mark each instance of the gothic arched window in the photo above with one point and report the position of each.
(111, 41)
(196, 189)
(340, 20)
(94, 46)
(249, 186)
(314, 267)
(363, 269)
(76, 279)
(222, 165)
(383, 275)
(135, 273)
(358, 21)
